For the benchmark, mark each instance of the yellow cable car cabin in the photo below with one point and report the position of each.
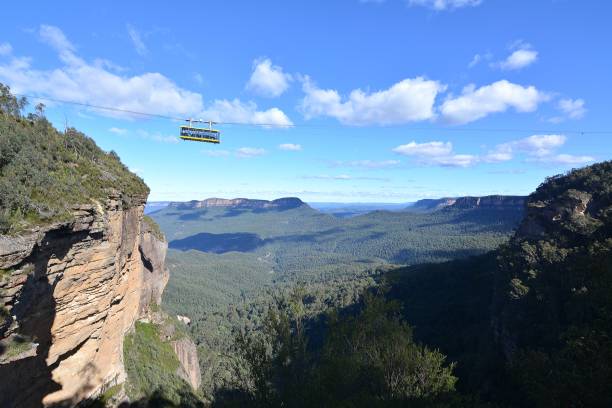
(200, 134)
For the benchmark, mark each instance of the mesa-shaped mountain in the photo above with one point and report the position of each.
(492, 201)
(285, 203)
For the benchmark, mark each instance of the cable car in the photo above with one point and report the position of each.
(197, 134)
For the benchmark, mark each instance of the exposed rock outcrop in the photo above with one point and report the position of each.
(557, 260)
(187, 355)
(71, 291)
(493, 201)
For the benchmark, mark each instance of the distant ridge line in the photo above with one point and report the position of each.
(489, 201)
(280, 203)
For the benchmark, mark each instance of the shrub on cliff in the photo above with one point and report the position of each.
(45, 172)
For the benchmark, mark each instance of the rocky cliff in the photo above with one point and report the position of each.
(493, 201)
(279, 204)
(69, 293)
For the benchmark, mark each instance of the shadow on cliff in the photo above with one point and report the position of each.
(25, 382)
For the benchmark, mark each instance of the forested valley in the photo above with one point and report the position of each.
(247, 278)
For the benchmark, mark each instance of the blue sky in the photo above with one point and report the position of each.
(391, 100)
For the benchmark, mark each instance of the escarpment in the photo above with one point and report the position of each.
(69, 293)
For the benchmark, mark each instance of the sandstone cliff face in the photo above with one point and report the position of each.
(72, 291)
(187, 355)
(493, 201)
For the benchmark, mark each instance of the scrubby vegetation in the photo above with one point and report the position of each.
(45, 172)
(153, 228)
(152, 365)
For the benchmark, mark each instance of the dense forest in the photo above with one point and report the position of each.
(228, 264)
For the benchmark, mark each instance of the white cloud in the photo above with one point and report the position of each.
(55, 38)
(118, 131)
(290, 147)
(98, 84)
(537, 148)
(573, 108)
(136, 38)
(425, 149)
(478, 58)
(475, 61)
(267, 79)
(456, 160)
(5, 49)
(216, 153)
(436, 153)
(441, 5)
(539, 145)
(247, 152)
(224, 110)
(409, 100)
(476, 103)
(568, 159)
(81, 82)
(367, 164)
(523, 55)
(328, 177)
(198, 78)
(345, 177)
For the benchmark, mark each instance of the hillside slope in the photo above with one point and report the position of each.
(531, 323)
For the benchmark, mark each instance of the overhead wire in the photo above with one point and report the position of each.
(276, 125)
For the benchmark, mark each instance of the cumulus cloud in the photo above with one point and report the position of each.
(235, 110)
(573, 108)
(98, 84)
(248, 152)
(537, 148)
(290, 147)
(523, 55)
(137, 41)
(441, 5)
(476, 103)
(409, 100)
(367, 164)
(425, 149)
(436, 153)
(5, 49)
(456, 160)
(268, 80)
